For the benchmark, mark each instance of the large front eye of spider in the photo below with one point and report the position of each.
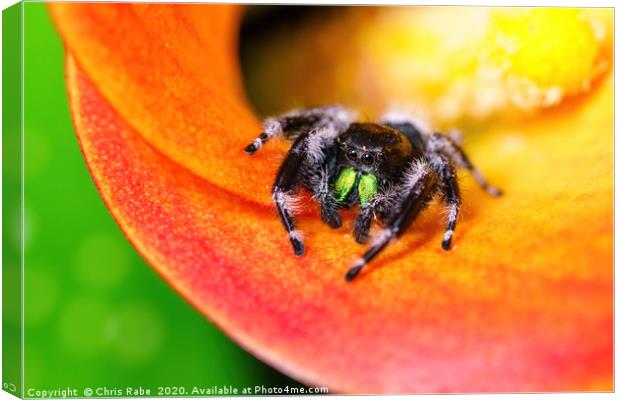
(352, 154)
(368, 159)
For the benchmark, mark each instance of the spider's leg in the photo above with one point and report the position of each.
(444, 145)
(308, 154)
(453, 199)
(285, 204)
(361, 230)
(297, 122)
(285, 189)
(319, 184)
(382, 202)
(418, 186)
(271, 128)
(449, 188)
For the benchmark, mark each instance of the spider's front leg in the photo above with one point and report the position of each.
(294, 123)
(285, 188)
(311, 155)
(319, 185)
(417, 188)
(307, 163)
(379, 204)
(313, 132)
(361, 230)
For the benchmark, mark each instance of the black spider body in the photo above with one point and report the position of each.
(378, 149)
(391, 169)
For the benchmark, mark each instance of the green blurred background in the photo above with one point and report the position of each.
(95, 313)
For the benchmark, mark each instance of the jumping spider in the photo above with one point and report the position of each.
(392, 168)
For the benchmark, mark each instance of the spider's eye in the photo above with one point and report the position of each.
(352, 154)
(368, 158)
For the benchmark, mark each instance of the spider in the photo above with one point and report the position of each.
(392, 169)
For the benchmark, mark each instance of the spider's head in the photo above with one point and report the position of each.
(374, 149)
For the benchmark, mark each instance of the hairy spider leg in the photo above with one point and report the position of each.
(362, 223)
(311, 130)
(285, 189)
(319, 185)
(306, 164)
(382, 202)
(271, 128)
(444, 145)
(441, 146)
(294, 123)
(419, 186)
(450, 192)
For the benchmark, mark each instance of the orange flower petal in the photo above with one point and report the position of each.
(522, 303)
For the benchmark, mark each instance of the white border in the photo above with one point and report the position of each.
(552, 3)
